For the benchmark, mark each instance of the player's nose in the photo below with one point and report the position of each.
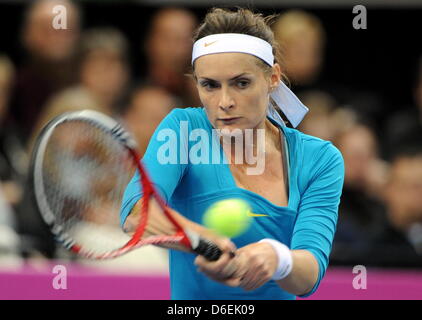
(226, 100)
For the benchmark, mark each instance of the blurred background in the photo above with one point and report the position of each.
(129, 59)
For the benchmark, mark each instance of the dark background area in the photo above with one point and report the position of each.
(371, 72)
(379, 60)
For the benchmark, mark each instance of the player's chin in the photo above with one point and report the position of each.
(231, 130)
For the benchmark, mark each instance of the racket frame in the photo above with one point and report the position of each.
(112, 127)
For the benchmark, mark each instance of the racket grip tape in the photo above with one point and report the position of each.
(208, 249)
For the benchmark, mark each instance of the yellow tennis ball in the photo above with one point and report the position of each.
(229, 217)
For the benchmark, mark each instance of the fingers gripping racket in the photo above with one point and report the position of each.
(81, 165)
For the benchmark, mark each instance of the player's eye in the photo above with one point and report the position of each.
(209, 85)
(242, 84)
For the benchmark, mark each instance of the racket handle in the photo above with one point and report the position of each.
(208, 249)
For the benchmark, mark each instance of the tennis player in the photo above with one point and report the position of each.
(295, 198)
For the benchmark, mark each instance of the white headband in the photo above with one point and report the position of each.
(233, 42)
(290, 105)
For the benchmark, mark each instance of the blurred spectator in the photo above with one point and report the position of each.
(148, 106)
(361, 211)
(9, 239)
(168, 47)
(302, 39)
(103, 76)
(49, 63)
(404, 199)
(406, 123)
(398, 243)
(104, 69)
(10, 172)
(13, 159)
(7, 74)
(321, 110)
(364, 169)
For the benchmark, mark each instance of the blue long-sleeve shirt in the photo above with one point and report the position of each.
(316, 173)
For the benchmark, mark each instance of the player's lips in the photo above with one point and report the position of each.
(229, 120)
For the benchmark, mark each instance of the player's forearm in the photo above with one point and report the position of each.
(155, 211)
(190, 225)
(304, 273)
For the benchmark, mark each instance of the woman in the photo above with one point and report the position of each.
(285, 251)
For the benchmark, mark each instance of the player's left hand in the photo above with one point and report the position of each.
(223, 270)
(256, 264)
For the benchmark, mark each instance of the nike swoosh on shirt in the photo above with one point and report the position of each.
(251, 214)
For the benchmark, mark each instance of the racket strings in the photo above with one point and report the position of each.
(85, 173)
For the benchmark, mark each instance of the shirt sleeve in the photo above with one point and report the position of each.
(318, 210)
(163, 161)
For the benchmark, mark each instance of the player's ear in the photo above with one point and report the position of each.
(275, 75)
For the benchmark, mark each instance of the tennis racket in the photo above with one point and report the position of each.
(81, 165)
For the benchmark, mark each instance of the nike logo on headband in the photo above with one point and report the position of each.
(210, 43)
